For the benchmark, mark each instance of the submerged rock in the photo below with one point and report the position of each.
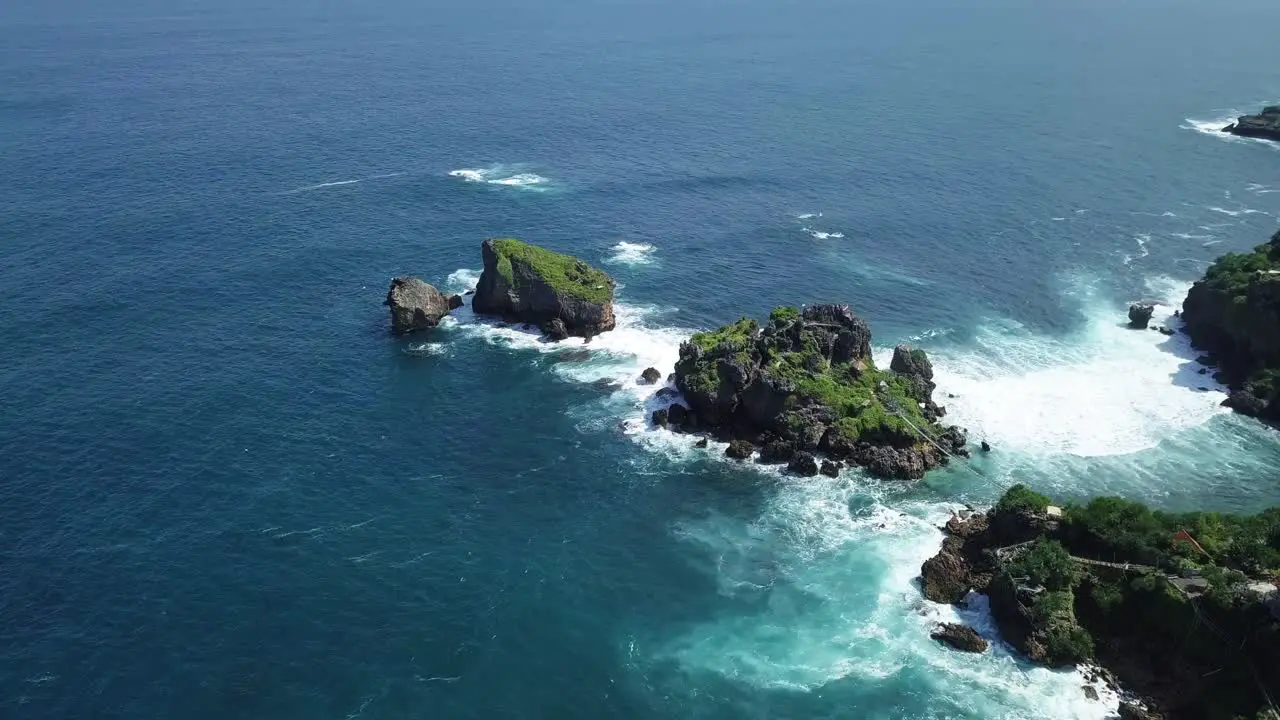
(830, 469)
(960, 637)
(702, 444)
(527, 283)
(415, 305)
(1140, 315)
(1265, 125)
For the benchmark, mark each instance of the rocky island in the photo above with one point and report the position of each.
(806, 383)
(1180, 608)
(1265, 125)
(1233, 314)
(561, 294)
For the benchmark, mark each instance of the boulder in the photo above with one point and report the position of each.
(661, 417)
(1140, 315)
(527, 283)
(986, 446)
(455, 302)
(960, 637)
(555, 330)
(666, 393)
(739, 450)
(945, 577)
(650, 376)
(1134, 711)
(777, 451)
(1090, 692)
(1264, 125)
(702, 444)
(1166, 330)
(803, 464)
(415, 305)
(830, 469)
(911, 361)
(1246, 403)
(678, 414)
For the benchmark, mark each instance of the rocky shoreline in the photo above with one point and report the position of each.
(1233, 314)
(1180, 625)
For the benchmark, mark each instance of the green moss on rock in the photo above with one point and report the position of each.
(565, 274)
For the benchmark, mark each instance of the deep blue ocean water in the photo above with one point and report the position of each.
(227, 492)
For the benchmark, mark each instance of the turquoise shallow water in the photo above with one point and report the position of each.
(225, 491)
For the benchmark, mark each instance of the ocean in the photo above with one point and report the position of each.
(226, 491)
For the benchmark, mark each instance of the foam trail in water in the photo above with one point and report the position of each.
(338, 183)
(502, 175)
(629, 253)
(1107, 390)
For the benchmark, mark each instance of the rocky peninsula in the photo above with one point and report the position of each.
(1265, 125)
(805, 383)
(561, 294)
(1233, 314)
(1181, 608)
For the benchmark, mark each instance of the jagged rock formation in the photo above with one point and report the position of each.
(1140, 315)
(415, 305)
(561, 294)
(806, 382)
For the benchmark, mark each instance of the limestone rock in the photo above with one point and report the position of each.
(415, 305)
(1140, 315)
(527, 283)
(960, 637)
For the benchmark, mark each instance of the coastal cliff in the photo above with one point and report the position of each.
(1233, 314)
(1181, 608)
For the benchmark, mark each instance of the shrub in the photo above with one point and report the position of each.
(1046, 563)
(1021, 499)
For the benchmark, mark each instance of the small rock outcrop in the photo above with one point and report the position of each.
(739, 450)
(803, 464)
(1264, 125)
(416, 306)
(806, 383)
(1233, 313)
(960, 637)
(527, 283)
(1140, 315)
(830, 469)
(650, 376)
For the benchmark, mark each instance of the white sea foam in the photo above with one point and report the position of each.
(1106, 390)
(808, 216)
(825, 576)
(502, 175)
(629, 253)
(1142, 240)
(463, 280)
(820, 235)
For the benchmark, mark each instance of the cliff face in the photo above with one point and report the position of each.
(560, 293)
(1192, 627)
(1233, 313)
(806, 383)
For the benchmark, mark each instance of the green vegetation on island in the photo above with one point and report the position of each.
(563, 273)
(806, 382)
